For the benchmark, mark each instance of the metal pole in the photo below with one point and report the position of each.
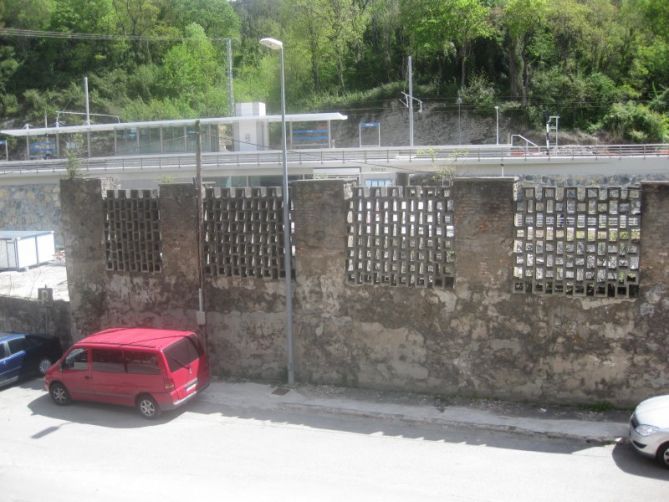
(557, 131)
(459, 102)
(231, 97)
(497, 125)
(287, 247)
(88, 116)
(201, 319)
(410, 103)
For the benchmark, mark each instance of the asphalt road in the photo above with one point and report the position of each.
(207, 451)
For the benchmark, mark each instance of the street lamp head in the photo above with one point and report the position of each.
(272, 43)
(496, 107)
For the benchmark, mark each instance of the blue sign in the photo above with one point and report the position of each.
(3, 142)
(366, 125)
(42, 149)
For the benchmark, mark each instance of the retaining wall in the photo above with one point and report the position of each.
(470, 336)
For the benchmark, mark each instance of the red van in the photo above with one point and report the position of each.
(152, 369)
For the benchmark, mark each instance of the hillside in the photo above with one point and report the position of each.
(601, 65)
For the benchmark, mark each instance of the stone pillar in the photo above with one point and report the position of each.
(83, 238)
(654, 252)
(320, 233)
(483, 214)
(178, 230)
(320, 243)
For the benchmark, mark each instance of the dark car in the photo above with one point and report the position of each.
(24, 355)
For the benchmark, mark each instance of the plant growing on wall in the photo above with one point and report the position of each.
(73, 166)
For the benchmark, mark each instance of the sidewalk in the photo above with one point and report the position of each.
(554, 422)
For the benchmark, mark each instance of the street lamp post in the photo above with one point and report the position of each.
(277, 45)
(497, 125)
(459, 102)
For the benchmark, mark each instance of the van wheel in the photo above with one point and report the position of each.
(43, 365)
(59, 394)
(147, 406)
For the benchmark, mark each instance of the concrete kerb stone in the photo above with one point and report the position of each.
(260, 397)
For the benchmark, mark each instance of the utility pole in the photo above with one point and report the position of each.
(88, 116)
(201, 316)
(410, 103)
(231, 97)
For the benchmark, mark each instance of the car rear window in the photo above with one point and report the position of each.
(16, 345)
(142, 363)
(181, 354)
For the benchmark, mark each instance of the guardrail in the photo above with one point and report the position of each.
(340, 157)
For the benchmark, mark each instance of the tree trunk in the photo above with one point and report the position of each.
(515, 69)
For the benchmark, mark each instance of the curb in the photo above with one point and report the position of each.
(406, 419)
(596, 438)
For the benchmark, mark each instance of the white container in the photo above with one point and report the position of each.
(25, 248)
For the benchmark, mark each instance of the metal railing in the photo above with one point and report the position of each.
(341, 157)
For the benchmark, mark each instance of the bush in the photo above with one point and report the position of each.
(480, 94)
(635, 122)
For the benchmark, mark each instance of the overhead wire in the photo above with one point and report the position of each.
(16, 32)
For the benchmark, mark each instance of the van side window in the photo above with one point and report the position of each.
(181, 354)
(142, 363)
(76, 360)
(108, 361)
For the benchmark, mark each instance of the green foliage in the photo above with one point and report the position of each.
(638, 123)
(73, 166)
(575, 58)
(479, 94)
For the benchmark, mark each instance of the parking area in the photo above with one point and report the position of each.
(248, 442)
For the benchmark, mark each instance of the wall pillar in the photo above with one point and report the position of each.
(178, 231)
(654, 253)
(483, 214)
(320, 257)
(83, 238)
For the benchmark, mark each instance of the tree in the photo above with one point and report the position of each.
(137, 18)
(448, 27)
(217, 17)
(190, 68)
(523, 21)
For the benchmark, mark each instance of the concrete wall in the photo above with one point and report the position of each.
(31, 207)
(31, 316)
(477, 339)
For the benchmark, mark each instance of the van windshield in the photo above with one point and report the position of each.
(181, 354)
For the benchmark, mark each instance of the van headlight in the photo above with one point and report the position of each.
(646, 430)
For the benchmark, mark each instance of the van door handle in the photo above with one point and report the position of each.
(87, 377)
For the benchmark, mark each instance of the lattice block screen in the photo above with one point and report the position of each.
(577, 241)
(132, 231)
(244, 232)
(401, 236)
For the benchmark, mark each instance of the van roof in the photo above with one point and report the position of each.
(138, 337)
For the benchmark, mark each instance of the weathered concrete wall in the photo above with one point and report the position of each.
(31, 207)
(475, 339)
(83, 230)
(31, 316)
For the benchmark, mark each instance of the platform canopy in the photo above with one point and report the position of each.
(124, 126)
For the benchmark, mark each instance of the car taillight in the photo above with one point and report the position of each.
(169, 385)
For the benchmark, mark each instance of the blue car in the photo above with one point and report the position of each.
(24, 355)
